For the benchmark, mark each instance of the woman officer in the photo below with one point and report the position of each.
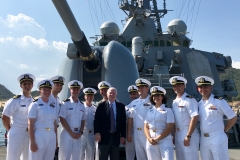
(158, 126)
(42, 124)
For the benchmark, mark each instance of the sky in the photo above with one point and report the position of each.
(33, 38)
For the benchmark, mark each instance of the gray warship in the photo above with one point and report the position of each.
(143, 50)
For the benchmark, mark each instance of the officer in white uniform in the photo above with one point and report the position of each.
(42, 124)
(139, 108)
(103, 86)
(58, 82)
(185, 110)
(214, 141)
(72, 117)
(14, 118)
(129, 146)
(158, 126)
(87, 139)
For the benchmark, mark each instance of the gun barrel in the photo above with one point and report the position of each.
(68, 19)
(90, 60)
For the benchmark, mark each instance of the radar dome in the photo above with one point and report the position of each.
(109, 28)
(178, 26)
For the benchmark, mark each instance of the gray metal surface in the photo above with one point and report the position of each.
(161, 56)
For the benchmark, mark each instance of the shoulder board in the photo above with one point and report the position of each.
(94, 105)
(35, 100)
(66, 100)
(17, 96)
(188, 96)
(217, 97)
(81, 102)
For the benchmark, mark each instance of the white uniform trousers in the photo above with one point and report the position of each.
(69, 148)
(18, 144)
(46, 143)
(214, 147)
(140, 144)
(162, 151)
(87, 146)
(130, 150)
(186, 152)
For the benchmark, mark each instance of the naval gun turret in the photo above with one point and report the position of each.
(113, 63)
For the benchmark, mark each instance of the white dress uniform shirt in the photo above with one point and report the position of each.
(74, 113)
(214, 142)
(87, 139)
(44, 113)
(211, 114)
(45, 137)
(157, 120)
(18, 140)
(138, 111)
(185, 108)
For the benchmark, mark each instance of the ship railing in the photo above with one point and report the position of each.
(161, 79)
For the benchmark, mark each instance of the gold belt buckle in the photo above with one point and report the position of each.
(154, 130)
(178, 129)
(90, 131)
(139, 129)
(75, 129)
(206, 135)
(47, 129)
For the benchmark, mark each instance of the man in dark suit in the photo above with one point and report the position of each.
(110, 126)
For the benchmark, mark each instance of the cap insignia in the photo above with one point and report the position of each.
(139, 81)
(26, 76)
(60, 79)
(75, 83)
(201, 80)
(174, 80)
(155, 89)
(47, 83)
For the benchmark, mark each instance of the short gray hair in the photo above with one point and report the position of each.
(112, 88)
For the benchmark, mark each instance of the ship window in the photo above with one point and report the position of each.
(169, 43)
(103, 43)
(176, 43)
(148, 43)
(129, 44)
(186, 43)
(162, 43)
(123, 43)
(155, 43)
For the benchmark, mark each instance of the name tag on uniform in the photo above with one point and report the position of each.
(23, 105)
(82, 110)
(70, 108)
(212, 108)
(146, 104)
(52, 105)
(40, 104)
(180, 106)
(134, 106)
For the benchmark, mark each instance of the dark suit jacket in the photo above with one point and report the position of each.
(102, 122)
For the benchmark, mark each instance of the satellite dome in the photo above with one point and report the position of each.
(178, 26)
(109, 28)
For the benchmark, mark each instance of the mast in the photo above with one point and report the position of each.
(135, 7)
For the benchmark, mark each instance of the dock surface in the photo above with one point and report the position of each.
(233, 152)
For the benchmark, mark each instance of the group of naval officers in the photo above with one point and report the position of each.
(149, 129)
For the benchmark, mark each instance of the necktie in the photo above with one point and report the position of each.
(112, 118)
